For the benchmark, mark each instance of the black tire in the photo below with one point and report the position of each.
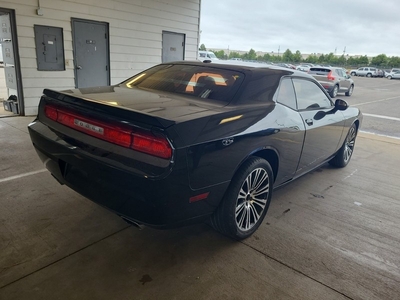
(334, 91)
(343, 156)
(353, 73)
(350, 91)
(241, 211)
(369, 75)
(389, 77)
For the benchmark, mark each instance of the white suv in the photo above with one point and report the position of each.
(365, 71)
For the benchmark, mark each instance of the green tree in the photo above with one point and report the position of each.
(287, 56)
(220, 54)
(267, 57)
(394, 61)
(297, 57)
(203, 47)
(363, 60)
(252, 55)
(353, 62)
(313, 59)
(341, 61)
(380, 60)
(330, 59)
(234, 54)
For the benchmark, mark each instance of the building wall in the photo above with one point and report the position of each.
(135, 29)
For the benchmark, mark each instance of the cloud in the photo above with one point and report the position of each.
(364, 27)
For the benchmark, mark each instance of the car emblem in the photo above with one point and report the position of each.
(89, 126)
(227, 142)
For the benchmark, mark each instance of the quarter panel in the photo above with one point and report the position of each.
(216, 161)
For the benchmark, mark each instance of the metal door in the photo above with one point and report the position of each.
(91, 53)
(173, 46)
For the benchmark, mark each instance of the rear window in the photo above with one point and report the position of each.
(319, 71)
(198, 81)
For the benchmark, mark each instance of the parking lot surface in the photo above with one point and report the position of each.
(332, 234)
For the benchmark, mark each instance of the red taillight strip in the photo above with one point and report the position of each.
(152, 145)
(143, 142)
(330, 76)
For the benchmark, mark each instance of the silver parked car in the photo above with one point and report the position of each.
(365, 71)
(334, 80)
(394, 75)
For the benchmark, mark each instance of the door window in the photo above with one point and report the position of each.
(309, 95)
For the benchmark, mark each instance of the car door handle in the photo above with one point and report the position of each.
(79, 67)
(309, 122)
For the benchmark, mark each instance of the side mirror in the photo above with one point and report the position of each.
(341, 104)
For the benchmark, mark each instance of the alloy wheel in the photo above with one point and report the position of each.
(252, 199)
(349, 145)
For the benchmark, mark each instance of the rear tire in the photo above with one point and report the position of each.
(350, 91)
(369, 75)
(246, 201)
(389, 77)
(334, 91)
(343, 156)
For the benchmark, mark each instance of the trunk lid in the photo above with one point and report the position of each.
(132, 104)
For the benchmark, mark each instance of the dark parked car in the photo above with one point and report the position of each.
(188, 141)
(334, 80)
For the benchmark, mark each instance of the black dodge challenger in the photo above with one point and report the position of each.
(188, 141)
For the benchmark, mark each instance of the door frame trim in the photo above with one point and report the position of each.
(73, 20)
(17, 62)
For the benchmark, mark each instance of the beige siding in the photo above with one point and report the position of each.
(135, 36)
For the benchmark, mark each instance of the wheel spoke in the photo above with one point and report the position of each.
(239, 208)
(247, 218)
(242, 216)
(254, 213)
(259, 203)
(264, 190)
(261, 181)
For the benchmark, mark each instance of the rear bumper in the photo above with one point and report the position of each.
(161, 201)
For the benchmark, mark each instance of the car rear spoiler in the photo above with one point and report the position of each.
(124, 113)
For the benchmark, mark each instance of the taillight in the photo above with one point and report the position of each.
(125, 137)
(152, 145)
(50, 112)
(330, 76)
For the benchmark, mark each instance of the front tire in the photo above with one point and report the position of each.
(353, 73)
(389, 77)
(246, 201)
(343, 156)
(334, 91)
(350, 91)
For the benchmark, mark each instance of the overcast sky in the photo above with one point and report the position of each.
(364, 27)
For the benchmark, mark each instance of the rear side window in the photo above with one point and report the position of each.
(261, 87)
(286, 95)
(198, 81)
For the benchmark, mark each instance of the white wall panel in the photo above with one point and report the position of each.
(135, 28)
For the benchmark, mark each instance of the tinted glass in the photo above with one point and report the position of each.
(261, 87)
(309, 95)
(197, 81)
(286, 94)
